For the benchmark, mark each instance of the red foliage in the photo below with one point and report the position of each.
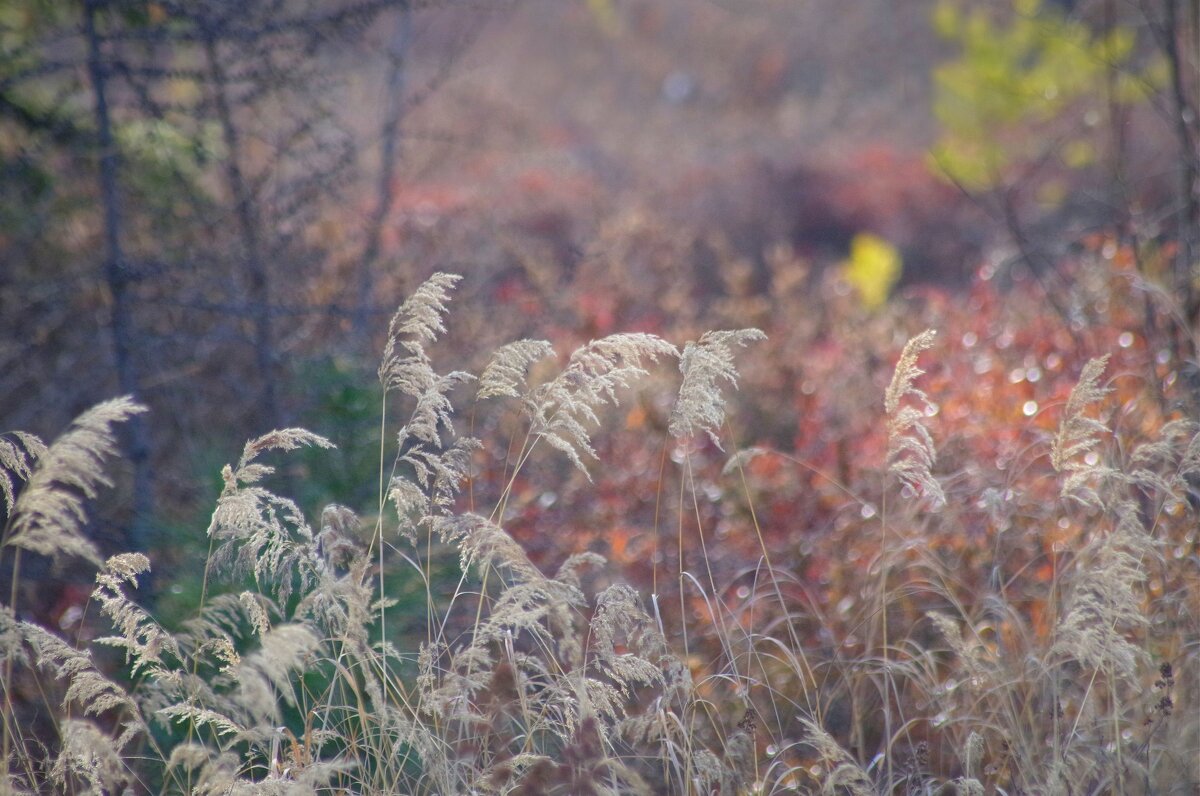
(1004, 363)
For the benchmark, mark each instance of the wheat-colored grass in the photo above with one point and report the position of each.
(292, 679)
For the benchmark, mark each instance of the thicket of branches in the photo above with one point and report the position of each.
(164, 168)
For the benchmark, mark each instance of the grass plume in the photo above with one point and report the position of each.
(442, 652)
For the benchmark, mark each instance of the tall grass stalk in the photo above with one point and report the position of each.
(291, 677)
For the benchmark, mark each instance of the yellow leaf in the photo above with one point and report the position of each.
(873, 268)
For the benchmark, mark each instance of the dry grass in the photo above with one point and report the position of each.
(292, 677)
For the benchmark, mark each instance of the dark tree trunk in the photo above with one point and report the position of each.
(253, 265)
(116, 275)
(389, 146)
(1184, 116)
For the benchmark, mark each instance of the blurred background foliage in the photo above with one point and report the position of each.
(1030, 86)
(217, 206)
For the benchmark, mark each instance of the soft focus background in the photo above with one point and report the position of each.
(227, 232)
(216, 207)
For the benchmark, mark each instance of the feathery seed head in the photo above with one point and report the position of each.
(911, 452)
(1078, 435)
(561, 410)
(49, 515)
(700, 405)
(907, 370)
(418, 318)
(17, 460)
(506, 371)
